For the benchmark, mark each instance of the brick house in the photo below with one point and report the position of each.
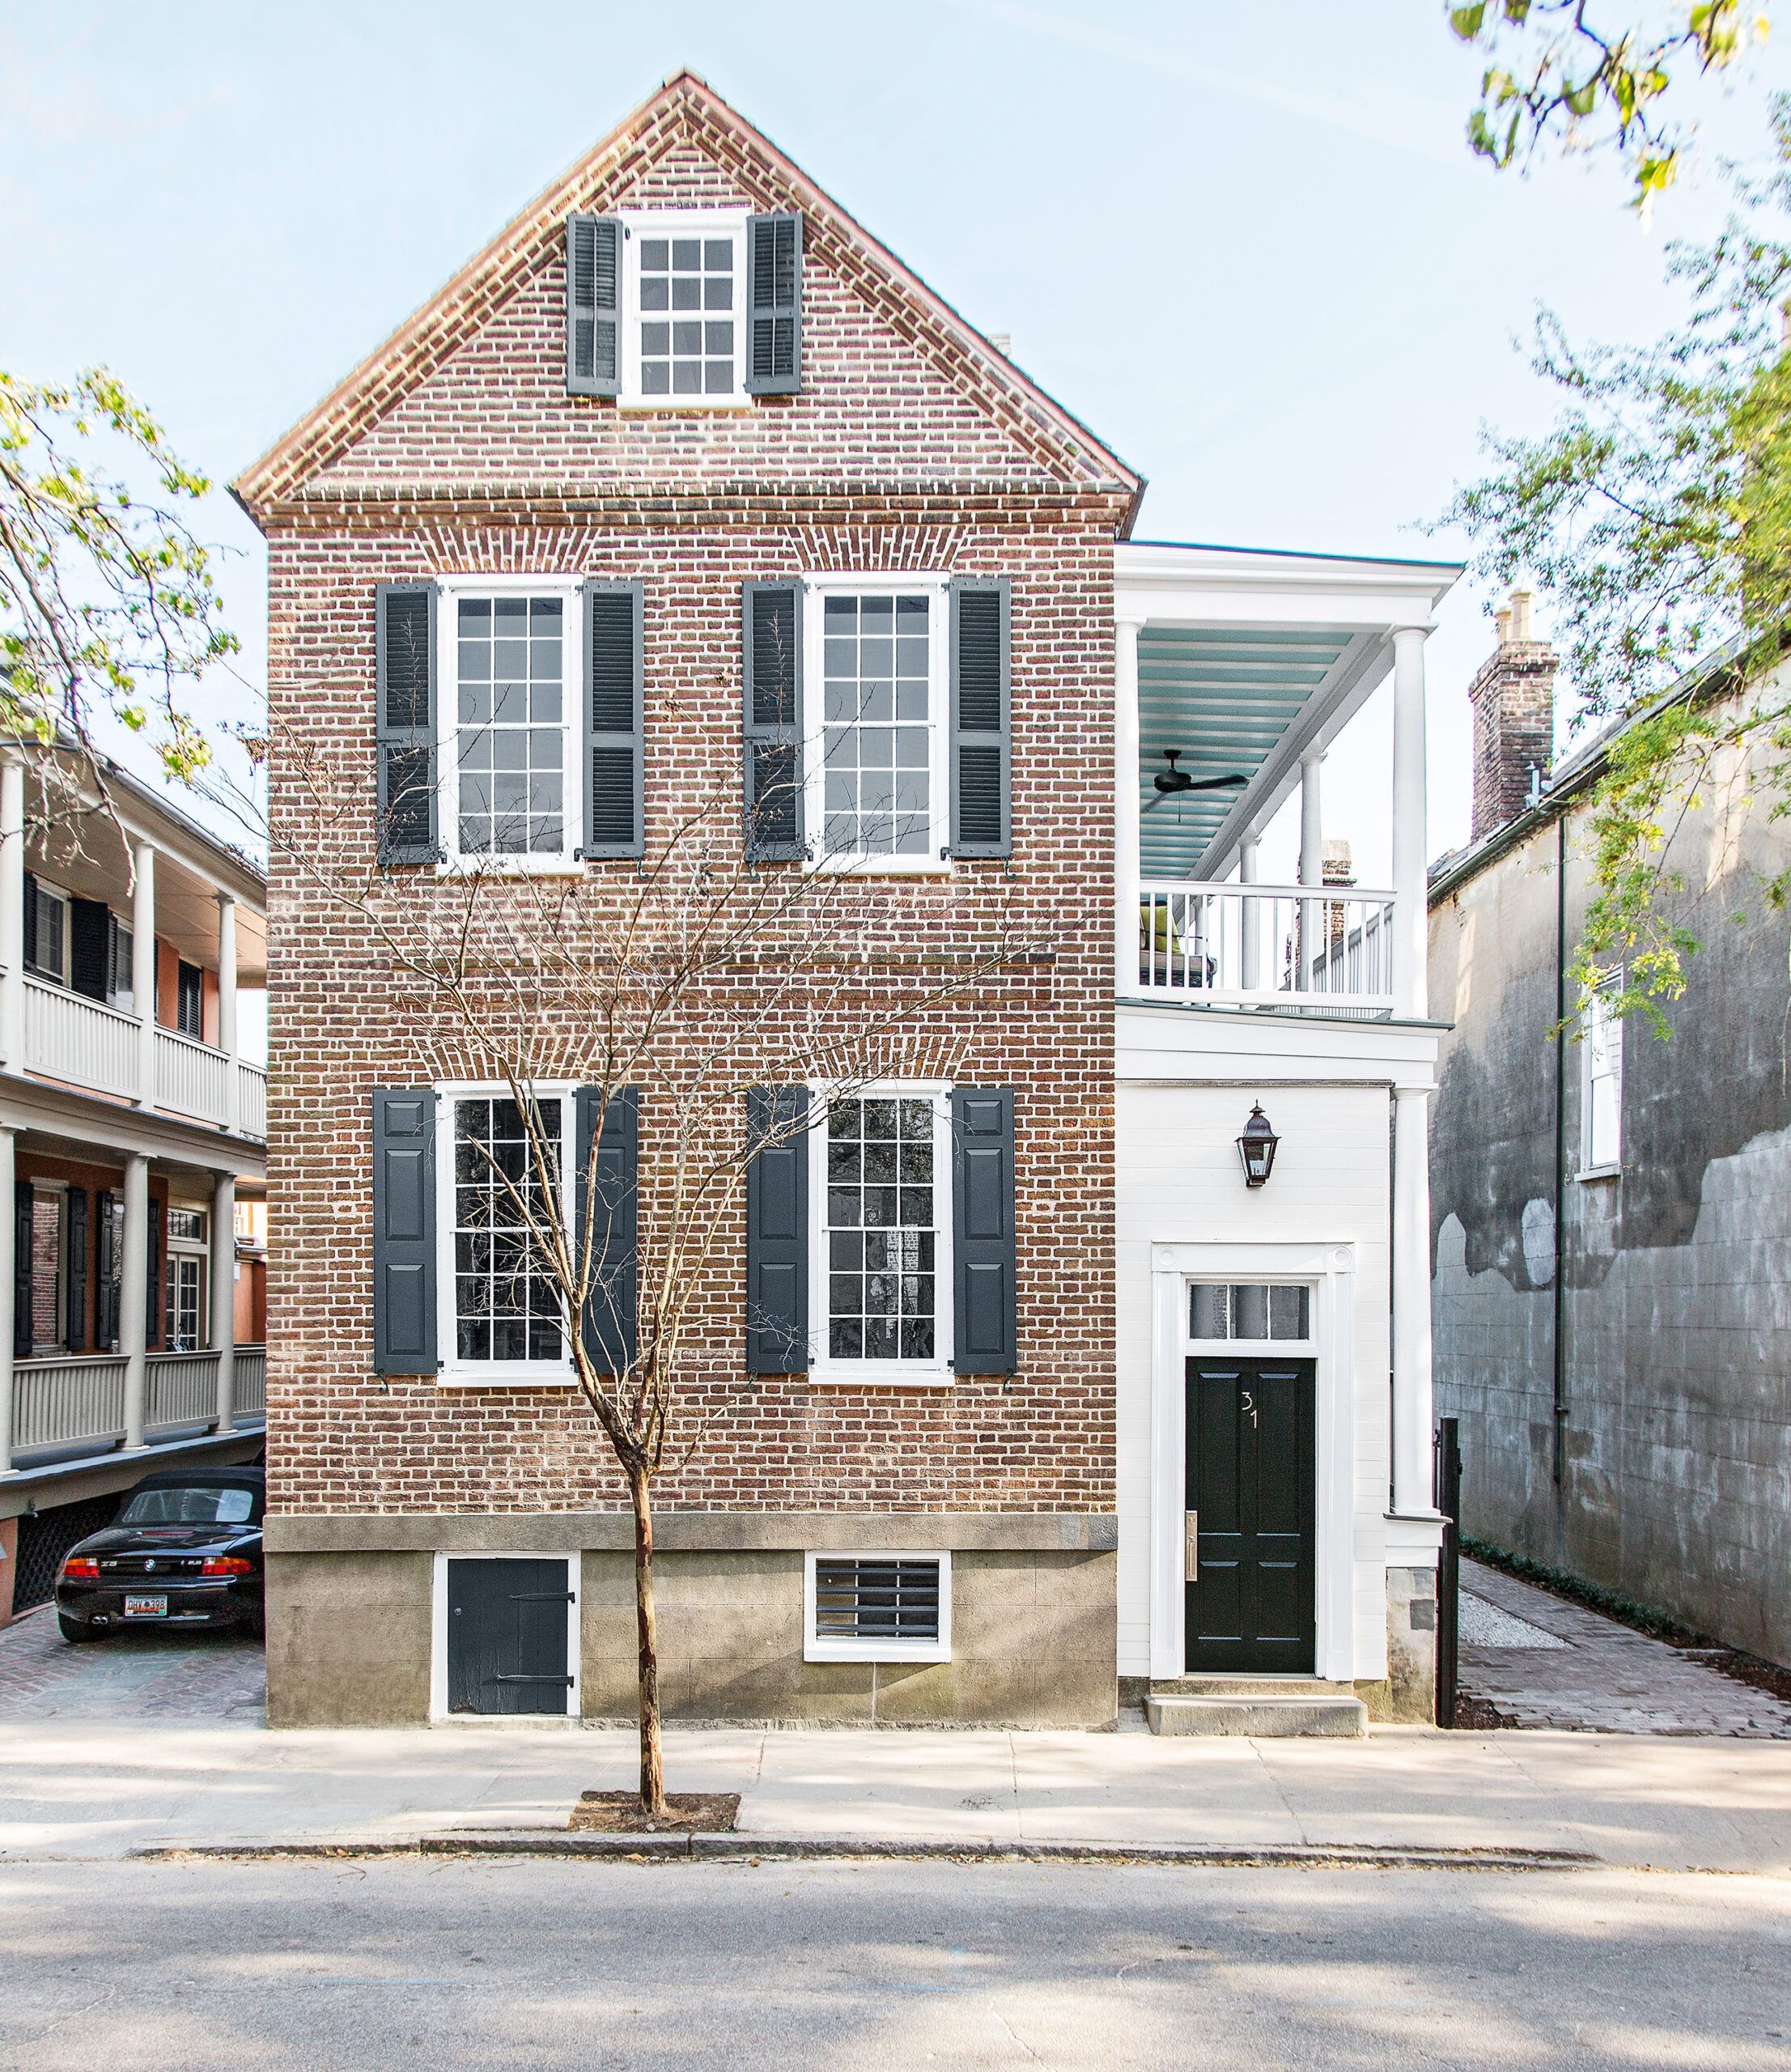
(684, 425)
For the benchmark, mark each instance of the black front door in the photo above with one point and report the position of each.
(1250, 1471)
(506, 1626)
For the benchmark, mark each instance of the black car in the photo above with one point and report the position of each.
(185, 1550)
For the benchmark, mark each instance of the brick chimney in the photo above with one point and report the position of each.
(1339, 870)
(1513, 700)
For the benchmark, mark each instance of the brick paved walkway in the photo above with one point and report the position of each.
(1544, 1661)
(219, 1677)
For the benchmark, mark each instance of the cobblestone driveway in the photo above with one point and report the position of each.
(1544, 1661)
(216, 1677)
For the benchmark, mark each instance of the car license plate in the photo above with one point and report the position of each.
(145, 1608)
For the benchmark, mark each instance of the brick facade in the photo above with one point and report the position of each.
(908, 451)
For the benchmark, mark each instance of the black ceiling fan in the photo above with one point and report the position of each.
(1173, 782)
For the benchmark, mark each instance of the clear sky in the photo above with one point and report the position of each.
(1246, 242)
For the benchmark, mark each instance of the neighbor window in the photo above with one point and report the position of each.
(1262, 1311)
(885, 1192)
(189, 1000)
(877, 1608)
(873, 772)
(510, 673)
(502, 1299)
(1601, 1079)
(683, 281)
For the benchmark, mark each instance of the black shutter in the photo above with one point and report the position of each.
(22, 1219)
(774, 305)
(611, 1313)
(405, 645)
(777, 1230)
(403, 1230)
(981, 729)
(189, 999)
(105, 1316)
(614, 816)
(77, 1200)
(155, 1301)
(89, 937)
(593, 306)
(985, 1336)
(31, 919)
(771, 620)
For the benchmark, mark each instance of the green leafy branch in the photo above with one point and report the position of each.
(1554, 74)
(107, 600)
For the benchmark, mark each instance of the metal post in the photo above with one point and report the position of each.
(227, 1008)
(134, 1297)
(223, 1293)
(142, 969)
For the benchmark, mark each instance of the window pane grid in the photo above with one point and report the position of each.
(687, 315)
(880, 1229)
(506, 1304)
(876, 741)
(511, 775)
(1262, 1310)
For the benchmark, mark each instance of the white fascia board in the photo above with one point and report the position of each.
(1197, 585)
(1180, 1046)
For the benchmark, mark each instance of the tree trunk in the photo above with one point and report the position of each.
(652, 1765)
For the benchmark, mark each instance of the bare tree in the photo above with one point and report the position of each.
(685, 983)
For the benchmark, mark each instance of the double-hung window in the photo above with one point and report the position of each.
(511, 661)
(882, 1187)
(874, 765)
(684, 282)
(1602, 1081)
(501, 1193)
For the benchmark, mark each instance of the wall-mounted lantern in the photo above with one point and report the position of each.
(1256, 1147)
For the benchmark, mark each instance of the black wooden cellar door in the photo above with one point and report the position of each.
(506, 1636)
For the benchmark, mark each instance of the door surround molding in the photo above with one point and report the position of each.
(439, 1713)
(1329, 1269)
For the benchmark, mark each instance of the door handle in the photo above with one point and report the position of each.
(1190, 1546)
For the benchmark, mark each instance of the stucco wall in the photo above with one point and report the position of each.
(1675, 1445)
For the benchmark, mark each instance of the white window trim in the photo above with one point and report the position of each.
(64, 977)
(1606, 1168)
(454, 863)
(674, 223)
(439, 1713)
(935, 862)
(815, 1649)
(453, 1373)
(824, 1371)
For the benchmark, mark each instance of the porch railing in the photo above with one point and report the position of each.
(1286, 948)
(79, 1400)
(83, 1042)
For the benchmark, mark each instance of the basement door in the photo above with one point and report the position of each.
(1251, 1517)
(507, 1623)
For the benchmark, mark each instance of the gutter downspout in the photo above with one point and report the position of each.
(1560, 1143)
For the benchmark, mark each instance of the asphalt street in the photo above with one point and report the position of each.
(875, 1968)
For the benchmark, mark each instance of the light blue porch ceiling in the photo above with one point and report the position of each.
(1224, 697)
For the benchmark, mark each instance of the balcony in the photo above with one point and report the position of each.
(77, 1404)
(1266, 947)
(80, 1043)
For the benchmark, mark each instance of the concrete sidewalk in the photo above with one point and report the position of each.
(102, 1789)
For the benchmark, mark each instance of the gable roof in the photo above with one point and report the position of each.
(685, 110)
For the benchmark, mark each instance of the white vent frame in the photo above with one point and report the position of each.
(818, 1648)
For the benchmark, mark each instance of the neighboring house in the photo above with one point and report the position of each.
(834, 440)
(1612, 1213)
(131, 1135)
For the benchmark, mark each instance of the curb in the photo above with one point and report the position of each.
(757, 1848)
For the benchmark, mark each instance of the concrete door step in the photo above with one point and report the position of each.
(1249, 1687)
(1266, 1712)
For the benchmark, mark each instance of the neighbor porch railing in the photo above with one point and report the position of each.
(1276, 948)
(79, 1400)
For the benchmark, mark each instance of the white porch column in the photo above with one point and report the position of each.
(1125, 860)
(134, 1295)
(1411, 918)
(1414, 1489)
(1251, 920)
(1312, 864)
(12, 916)
(9, 1232)
(142, 969)
(227, 1007)
(223, 1291)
